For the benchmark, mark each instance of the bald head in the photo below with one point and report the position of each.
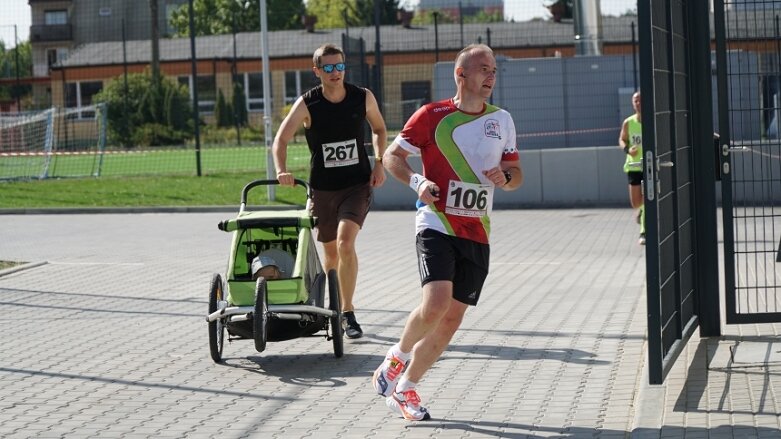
(636, 102)
(466, 54)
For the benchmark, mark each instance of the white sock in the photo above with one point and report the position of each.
(395, 351)
(405, 384)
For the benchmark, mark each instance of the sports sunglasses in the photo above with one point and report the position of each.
(328, 68)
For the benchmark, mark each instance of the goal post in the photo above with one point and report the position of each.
(26, 143)
(53, 143)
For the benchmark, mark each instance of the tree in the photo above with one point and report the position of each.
(8, 68)
(146, 115)
(365, 12)
(331, 13)
(561, 9)
(239, 104)
(427, 17)
(222, 115)
(218, 17)
(484, 17)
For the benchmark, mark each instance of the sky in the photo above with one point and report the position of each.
(17, 12)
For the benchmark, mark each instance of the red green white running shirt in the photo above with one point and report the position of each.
(456, 147)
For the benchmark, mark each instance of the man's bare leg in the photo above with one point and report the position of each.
(347, 269)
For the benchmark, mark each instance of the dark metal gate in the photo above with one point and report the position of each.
(677, 132)
(748, 51)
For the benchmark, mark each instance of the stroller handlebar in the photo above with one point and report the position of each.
(256, 183)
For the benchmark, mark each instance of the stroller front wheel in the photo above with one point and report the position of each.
(217, 327)
(260, 317)
(334, 304)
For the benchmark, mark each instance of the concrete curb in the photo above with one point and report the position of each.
(22, 267)
(149, 209)
(650, 402)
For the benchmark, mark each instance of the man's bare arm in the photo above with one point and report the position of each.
(298, 115)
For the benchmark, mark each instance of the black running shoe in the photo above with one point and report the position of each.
(351, 327)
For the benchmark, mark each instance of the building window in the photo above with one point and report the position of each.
(55, 17)
(72, 95)
(87, 90)
(78, 95)
(207, 91)
(253, 84)
(253, 88)
(53, 56)
(297, 82)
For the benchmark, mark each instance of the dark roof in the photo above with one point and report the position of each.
(394, 39)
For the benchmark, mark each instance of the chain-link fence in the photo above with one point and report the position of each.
(566, 79)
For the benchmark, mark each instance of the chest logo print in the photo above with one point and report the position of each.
(492, 129)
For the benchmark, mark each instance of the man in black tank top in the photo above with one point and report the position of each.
(341, 173)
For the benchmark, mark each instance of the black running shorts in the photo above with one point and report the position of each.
(635, 178)
(461, 261)
(331, 207)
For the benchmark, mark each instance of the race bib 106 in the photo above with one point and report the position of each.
(469, 199)
(338, 154)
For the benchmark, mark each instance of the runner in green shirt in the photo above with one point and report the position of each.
(631, 142)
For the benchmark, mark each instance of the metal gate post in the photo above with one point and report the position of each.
(719, 23)
(653, 296)
(704, 175)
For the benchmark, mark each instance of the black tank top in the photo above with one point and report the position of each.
(335, 139)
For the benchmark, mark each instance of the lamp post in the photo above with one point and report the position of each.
(194, 70)
(16, 61)
(238, 113)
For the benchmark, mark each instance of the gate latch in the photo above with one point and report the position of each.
(650, 191)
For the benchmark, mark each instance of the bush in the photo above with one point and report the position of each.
(223, 113)
(155, 134)
(239, 104)
(213, 135)
(148, 114)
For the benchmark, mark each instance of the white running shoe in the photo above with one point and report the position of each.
(407, 405)
(387, 375)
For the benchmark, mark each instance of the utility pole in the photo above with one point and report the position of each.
(156, 42)
(270, 174)
(378, 92)
(194, 89)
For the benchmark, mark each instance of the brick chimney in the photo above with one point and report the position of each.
(309, 22)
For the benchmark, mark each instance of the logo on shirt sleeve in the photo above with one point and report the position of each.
(492, 129)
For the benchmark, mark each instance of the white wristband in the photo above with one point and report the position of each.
(415, 181)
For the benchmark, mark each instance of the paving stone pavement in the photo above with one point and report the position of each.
(108, 339)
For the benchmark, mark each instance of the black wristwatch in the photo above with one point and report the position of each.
(508, 176)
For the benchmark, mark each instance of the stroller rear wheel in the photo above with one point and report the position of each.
(260, 317)
(334, 304)
(217, 327)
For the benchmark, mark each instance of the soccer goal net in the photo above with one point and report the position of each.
(52, 143)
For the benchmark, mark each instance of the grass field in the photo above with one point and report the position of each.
(157, 178)
(150, 161)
